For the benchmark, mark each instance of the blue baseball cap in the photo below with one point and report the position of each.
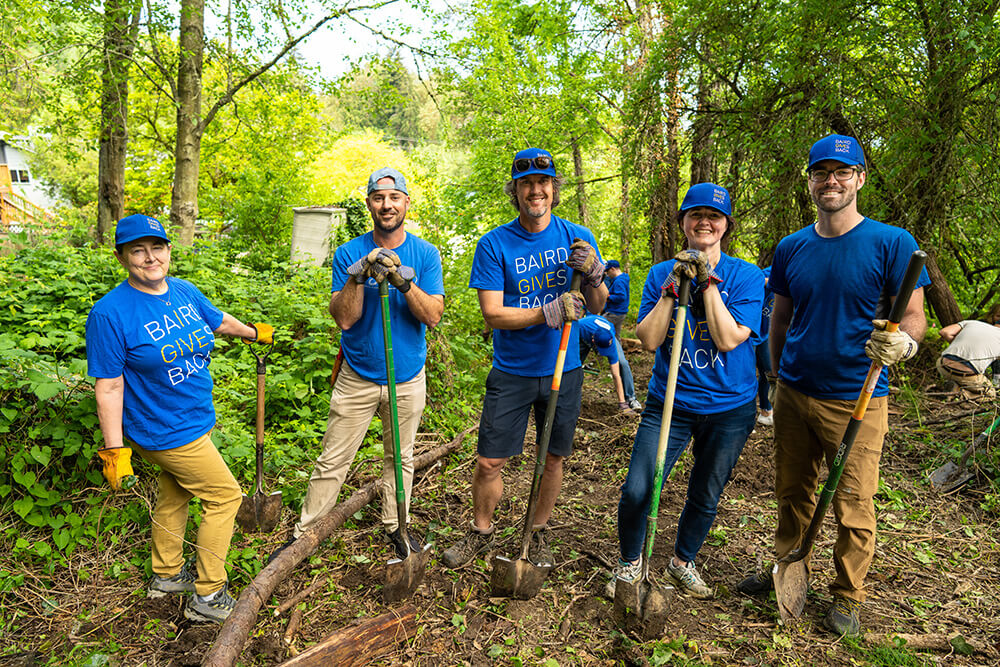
(398, 181)
(525, 163)
(612, 264)
(138, 226)
(837, 147)
(603, 334)
(710, 195)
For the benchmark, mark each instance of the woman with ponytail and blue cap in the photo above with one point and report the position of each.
(715, 398)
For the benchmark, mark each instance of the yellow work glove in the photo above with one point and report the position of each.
(265, 333)
(889, 347)
(118, 467)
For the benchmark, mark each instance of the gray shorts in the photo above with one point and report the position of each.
(507, 403)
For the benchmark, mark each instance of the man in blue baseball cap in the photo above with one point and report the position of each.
(832, 281)
(522, 272)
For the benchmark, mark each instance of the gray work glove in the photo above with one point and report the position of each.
(583, 258)
(387, 266)
(567, 307)
(695, 265)
(361, 269)
(887, 347)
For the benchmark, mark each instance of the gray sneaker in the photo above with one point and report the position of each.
(474, 543)
(538, 549)
(215, 610)
(182, 582)
(687, 576)
(635, 404)
(630, 572)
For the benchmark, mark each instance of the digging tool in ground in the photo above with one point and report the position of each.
(951, 477)
(402, 575)
(260, 512)
(791, 574)
(520, 578)
(641, 605)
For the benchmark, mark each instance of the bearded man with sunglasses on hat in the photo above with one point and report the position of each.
(522, 271)
(832, 282)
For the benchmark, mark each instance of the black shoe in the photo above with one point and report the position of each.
(474, 543)
(274, 554)
(757, 584)
(842, 619)
(396, 540)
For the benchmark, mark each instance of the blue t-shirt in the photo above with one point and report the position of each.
(708, 380)
(837, 287)
(599, 334)
(161, 346)
(530, 269)
(765, 313)
(618, 295)
(364, 349)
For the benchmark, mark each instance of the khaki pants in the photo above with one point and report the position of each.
(976, 385)
(617, 321)
(352, 406)
(193, 470)
(806, 430)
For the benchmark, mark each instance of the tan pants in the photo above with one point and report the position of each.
(194, 470)
(806, 430)
(976, 385)
(352, 406)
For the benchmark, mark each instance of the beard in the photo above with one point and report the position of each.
(390, 228)
(837, 204)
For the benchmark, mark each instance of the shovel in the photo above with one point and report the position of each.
(791, 575)
(641, 605)
(521, 579)
(402, 575)
(950, 477)
(261, 511)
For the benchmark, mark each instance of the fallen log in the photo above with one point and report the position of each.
(294, 619)
(300, 596)
(234, 632)
(362, 643)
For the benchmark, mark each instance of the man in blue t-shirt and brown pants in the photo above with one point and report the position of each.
(522, 271)
(416, 301)
(832, 281)
(616, 307)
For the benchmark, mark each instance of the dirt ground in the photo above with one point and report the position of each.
(934, 576)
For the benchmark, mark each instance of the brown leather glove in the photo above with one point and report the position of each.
(889, 347)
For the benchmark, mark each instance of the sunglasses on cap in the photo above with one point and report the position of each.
(525, 163)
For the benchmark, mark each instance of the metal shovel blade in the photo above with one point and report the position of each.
(519, 579)
(259, 512)
(641, 607)
(791, 581)
(950, 477)
(404, 575)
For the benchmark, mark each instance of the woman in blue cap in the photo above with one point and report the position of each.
(149, 344)
(715, 399)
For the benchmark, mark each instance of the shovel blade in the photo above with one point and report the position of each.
(950, 476)
(791, 581)
(403, 576)
(519, 579)
(259, 512)
(641, 607)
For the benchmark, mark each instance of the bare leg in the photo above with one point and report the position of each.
(616, 375)
(487, 489)
(551, 485)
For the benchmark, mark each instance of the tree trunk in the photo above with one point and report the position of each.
(120, 25)
(581, 187)
(702, 148)
(938, 293)
(187, 154)
(625, 229)
(360, 644)
(233, 635)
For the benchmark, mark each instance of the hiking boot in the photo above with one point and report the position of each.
(396, 540)
(274, 554)
(757, 584)
(182, 582)
(630, 572)
(842, 619)
(766, 418)
(635, 404)
(687, 576)
(210, 610)
(538, 549)
(474, 543)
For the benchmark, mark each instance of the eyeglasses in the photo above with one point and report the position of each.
(541, 162)
(843, 174)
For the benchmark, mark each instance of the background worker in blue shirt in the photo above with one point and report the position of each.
(616, 307)
(597, 333)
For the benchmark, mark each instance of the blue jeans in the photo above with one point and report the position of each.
(628, 383)
(763, 368)
(718, 443)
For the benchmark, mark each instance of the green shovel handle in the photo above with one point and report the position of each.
(390, 378)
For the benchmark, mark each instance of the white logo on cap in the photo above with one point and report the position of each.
(719, 196)
(841, 146)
